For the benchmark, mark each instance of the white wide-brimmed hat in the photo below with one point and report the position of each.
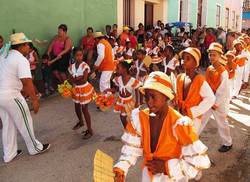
(196, 53)
(19, 38)
(215, 47)
(98, 34)
(160, 82)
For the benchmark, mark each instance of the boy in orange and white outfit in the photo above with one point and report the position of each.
(194, 95)
(170, 148)
(217, 78)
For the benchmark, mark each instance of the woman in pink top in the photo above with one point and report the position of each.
(60, 47)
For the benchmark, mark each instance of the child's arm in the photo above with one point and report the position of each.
(222, 92)
(193, 152)
(132, 148)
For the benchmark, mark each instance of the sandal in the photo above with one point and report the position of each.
(84, 132)
(87, 135)
(77, 126)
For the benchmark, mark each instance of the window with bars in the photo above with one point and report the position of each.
(237, 21)
(233, 19)
(126, 12)
(218, 15)
(227, 18)
(180, 13)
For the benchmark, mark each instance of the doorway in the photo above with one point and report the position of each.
(148, 15)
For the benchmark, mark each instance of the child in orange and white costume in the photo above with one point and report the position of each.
(194, 95)
(217, 78)
(177, 154)
(246, 41)
(240, 60)
(231, 68)
(83, 91)
(141, 70)
(125, 84)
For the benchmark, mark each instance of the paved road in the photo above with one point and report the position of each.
(70, 158)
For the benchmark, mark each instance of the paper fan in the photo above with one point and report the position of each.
(103, 167)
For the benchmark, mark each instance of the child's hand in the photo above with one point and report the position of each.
(156, 166)
(119, 177)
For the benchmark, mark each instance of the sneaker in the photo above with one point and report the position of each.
(45, 148)
(19, 152)
(225, 148)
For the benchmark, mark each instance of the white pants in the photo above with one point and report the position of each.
(238, 80)
(15, 114)
(246, 72)
(231, 87)
(220, 115)
(105, 80)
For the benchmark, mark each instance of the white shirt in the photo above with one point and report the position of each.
(12, 69)
(208, 100)
(101, 54)
(222, 93)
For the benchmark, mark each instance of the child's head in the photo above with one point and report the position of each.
(215, 52)
(90, 31)
(123, 68)
(140, 26)
(191, 57)
(230, 56)
(237, 45)
(108, 28)
(115, 26)
(78, 54)
(157, 90)
(169, 51)
(1, 41)
(140, 54)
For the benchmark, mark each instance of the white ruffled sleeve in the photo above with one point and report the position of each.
(132, 148)
(193, 153)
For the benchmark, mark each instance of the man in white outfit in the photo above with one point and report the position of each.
(104, 62)
(15, 76)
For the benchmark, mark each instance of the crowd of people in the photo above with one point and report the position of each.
(181, 87)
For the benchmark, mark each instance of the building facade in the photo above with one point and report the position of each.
(40, 19)
(246, 14)
(233, 15)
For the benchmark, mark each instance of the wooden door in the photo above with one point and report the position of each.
(149, 12)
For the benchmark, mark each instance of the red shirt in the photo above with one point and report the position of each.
(133, 41)
(88, 42)
(208, 40)
(123, 38)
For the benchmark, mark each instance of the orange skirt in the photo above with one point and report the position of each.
(83, 94)
(124, 106)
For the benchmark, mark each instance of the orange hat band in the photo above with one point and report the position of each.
(162, 81)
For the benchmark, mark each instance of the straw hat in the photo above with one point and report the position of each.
(215, 47)
(125, 28)
(194, 52)
(160, 82)
(236, 42)
(98, 34)
(156, 59)
(19, 38)
(223, 60)
(230, 53)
